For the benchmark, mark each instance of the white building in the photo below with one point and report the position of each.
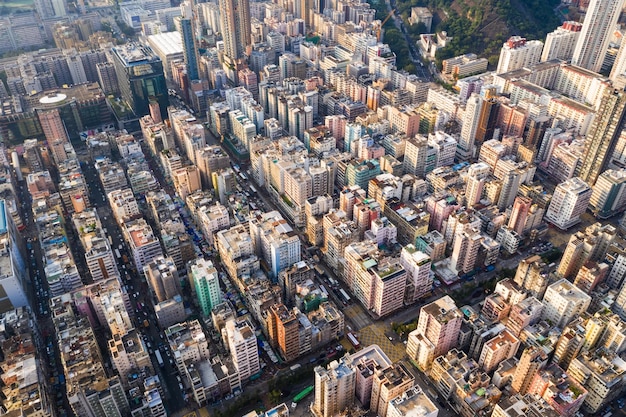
(569, 201)
(417, 265)
(143, 244)
(242, 344)
(334, 388)
(561, 42)
(563, 302)
(275, 241)
(518, 53)
(593, 42)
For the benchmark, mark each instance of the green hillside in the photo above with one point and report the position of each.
(481, 26)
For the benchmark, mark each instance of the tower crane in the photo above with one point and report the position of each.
(383, 24)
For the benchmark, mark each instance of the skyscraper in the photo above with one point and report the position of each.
(52, 125)
(140, 77)
(603, 135)
(236, 31)
(465, 148)
(561, 42)
(564, 302)
(594, 38)
(185, 25)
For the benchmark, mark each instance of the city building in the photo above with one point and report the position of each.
(389, 383)
(601, 373)
(609, 194)
(235, 22)
(569, 201)
(162, 277)
(334, 388)
(605, 131)
(206, 284)
(412, 403)
(518, 53)
(593, 42)
(563, 302)
(533, 359)
(242, 343)
(140, 77)
(144, 246)
(437, 331)
(561, 42)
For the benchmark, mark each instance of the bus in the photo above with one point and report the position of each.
(302, 395)
(354, 341)
(243, 176)
(323, 288)
(117, 253)
(345, 295)
(319, 271)
(253, 190)
(159, 358)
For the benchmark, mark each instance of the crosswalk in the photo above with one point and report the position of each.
(374, 335)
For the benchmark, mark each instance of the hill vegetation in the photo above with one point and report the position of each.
(481, 26)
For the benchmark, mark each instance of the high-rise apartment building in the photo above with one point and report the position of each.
(334, 388)
(593, 42)
(242, 344)
(569, 201)
(532, 275)
(467, 243)
(417, 265)
(283, 327)
(206, 284)
(561, 42)
(609, 194)
(143, 244)
(415, 154)
(518, 53)
(601, 372)
(501, 347)
(162, 277)
(389, 383)
(519, 214)
(437, 331)
(533, 359)
(476, 177)
(275, 241)
(563, 302)
(52, 125)
(604, 133)
(236, 30)
(465, 148)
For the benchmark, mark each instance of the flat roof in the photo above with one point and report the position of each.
(166, 43)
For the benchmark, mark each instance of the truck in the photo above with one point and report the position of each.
(146, 323)
(117, 253)
(294, 367)
(157, 353)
